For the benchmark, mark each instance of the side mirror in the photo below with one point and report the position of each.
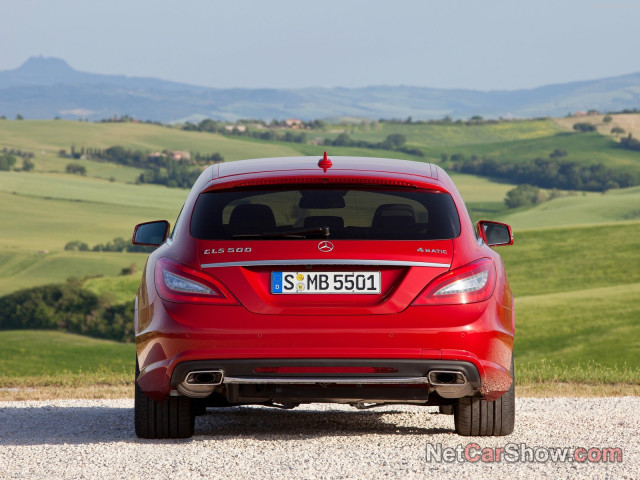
(494, 233)
(152, 234)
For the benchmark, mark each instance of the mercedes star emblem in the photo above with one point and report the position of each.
(325, 246)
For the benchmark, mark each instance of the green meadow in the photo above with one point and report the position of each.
(51, 136)
(584, 208)
(28, 353)
(505, 141)
(447, 136)
(574, 267)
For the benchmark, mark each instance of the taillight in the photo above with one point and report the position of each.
(176, 282)
(470, 283)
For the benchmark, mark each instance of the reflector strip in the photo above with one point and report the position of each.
(325, 370)
(390, 263)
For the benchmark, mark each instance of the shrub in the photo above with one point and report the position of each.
(584, 127)
(7, 162)
(67, 307)
(524, 195)
(76, 168)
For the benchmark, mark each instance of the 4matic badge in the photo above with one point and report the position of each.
(432, 250)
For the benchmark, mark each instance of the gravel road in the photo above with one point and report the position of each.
(95, 439)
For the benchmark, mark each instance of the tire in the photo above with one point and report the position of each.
(475, 416)
(446, 409)
(170, 418)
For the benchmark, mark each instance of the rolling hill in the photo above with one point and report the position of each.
(49, 87)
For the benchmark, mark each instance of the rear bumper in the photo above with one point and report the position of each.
(464, 376)
(477, 341)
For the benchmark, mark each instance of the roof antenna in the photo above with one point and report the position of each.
(325, 164)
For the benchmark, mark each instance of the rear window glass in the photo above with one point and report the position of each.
(348, 214)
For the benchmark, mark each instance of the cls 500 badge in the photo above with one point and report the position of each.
(211, 251)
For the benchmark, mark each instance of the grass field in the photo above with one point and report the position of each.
(25, 270)
(28, 353)
(505, 141)
(575, 266)
(45, 211)
(52, 135)
(121, 289)
(453, 135)
(584, 148)
(515, 141)
(43, 365)
(584, 208)
(42, 212)
(570, 259)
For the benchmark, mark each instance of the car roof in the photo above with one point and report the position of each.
(309, 165)
(307, 170)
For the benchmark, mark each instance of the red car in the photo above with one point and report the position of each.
(349, 280)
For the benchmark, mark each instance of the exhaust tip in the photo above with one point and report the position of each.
(447, 377)
(200, 384)
(208, 377)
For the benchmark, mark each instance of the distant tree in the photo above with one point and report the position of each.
(523, 195)
(558, 152)
(76, 168)
(396, 140)
(77, 245)
(618, 131)
(607, 119)
(27, 165)
(3, 117)
(444, 157)
(342, 140)
(208, 125)
(19, 117)
(584, 127)
(630, 143)
(7, 162)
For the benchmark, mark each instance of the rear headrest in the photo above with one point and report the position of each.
(393, 215)
(252, 218)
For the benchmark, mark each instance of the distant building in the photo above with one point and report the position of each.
(177, 155)
(180, 155)
(293, 122)
(237, 128)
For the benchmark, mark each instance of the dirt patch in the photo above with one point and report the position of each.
(629, 122)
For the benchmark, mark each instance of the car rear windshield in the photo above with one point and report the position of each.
(339, 214)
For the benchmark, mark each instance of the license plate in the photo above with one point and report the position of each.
(325, 282)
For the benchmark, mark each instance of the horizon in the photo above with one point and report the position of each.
(67, 64)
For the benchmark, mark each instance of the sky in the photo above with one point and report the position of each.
(480, 45)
